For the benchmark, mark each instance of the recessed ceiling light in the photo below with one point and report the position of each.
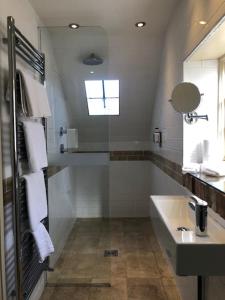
(74, 26)
(140, 24)
(202, 22)
(92, 72)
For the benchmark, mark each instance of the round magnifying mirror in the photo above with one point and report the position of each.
(185, 97)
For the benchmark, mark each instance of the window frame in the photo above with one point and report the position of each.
(221, 105)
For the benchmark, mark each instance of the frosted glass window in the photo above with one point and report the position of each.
(96, 107)
(102, 97)
(111, 88)
(94, 89)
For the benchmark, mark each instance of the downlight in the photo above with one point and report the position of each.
(74, 26)
(140, 24)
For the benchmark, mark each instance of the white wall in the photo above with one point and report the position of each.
(129, 188)
(90, 190)
(119, 189)
(205, 75)
(61, 210)
(183, 34)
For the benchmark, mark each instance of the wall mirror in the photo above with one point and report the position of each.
(185, 99)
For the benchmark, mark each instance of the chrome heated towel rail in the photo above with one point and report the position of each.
(28, 269)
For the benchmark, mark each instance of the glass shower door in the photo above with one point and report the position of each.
(79, 191)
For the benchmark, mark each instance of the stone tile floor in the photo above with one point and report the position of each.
(140, 272)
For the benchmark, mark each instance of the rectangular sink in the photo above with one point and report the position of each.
(188, 253)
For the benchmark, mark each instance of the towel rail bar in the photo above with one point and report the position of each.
(30, 57)
(30, 62)
(37, 52)
(30, 52)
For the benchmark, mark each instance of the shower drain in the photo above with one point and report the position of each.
(111, 253)
(182, 228)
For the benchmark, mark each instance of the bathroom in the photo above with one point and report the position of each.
(107, 172)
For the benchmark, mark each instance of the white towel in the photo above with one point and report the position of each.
(35, 145)
(36, 198)
(216, 169)
(191, 168)
(43, 242)
(72, 139)
(36, 97)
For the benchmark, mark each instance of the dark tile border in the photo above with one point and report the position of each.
(129, 155)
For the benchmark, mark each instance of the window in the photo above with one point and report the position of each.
(221, 107)
(102, 97)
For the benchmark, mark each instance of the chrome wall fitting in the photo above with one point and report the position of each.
(193, 117)
(62, 149)
(62, 131)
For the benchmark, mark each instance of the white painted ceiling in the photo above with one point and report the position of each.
(213, 45)
(130, 54)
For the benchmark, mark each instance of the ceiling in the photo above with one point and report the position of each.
(130, 54)
(213, 45)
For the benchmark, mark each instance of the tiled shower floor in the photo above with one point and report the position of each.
(140, 272)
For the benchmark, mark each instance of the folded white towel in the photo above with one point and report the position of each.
(43, 242)
(36, 97)
(35, 145)
(36, 198)
(216, 169)
(191, 168)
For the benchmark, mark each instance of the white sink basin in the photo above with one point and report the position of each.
(188, 253)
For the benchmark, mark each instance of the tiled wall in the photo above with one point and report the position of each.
(61, 210)
(90, 190)
(204, 74)
(129, 188)
(120, 188)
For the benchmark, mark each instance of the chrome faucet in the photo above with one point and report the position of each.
(200, 208)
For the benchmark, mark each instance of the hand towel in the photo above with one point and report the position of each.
(43, 242)
(191, 168)
(35, 145)
(216, 169)
(72, 139)
(44, 102)
(36, 198)
(36, 97)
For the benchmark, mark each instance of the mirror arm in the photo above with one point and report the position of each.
(191, 118)
(203, 117)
